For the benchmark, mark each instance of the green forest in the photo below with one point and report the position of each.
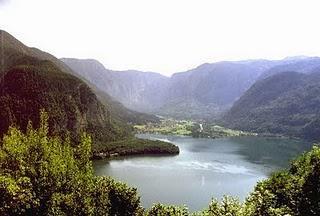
(46, 159)
(50, 175)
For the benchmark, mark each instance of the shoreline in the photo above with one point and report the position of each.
(134, 146)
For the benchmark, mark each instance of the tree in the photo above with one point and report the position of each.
(42, 175)
(292, 192)
(167, 210)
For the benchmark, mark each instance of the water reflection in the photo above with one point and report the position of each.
(205, 168)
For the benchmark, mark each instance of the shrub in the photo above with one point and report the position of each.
(167, 210)
(42, 175)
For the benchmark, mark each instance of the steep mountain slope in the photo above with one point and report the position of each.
(102, 81)
(210, 88)
(203, 92)
(297, 64)
(219, 83)
(120, 113)
(143, 91)
(285, 103)
(138, 91)
(91, 70)
(31, 80)
(12, 52)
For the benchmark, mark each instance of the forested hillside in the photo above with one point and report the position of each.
(203, 92)
(210, 89)
(286, 103)
(140, 91)
(30, 82)
(302, 64)
(103, 80)
(43, 175)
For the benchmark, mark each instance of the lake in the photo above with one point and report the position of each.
(205, 168)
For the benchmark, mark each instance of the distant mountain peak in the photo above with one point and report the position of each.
(299, 57)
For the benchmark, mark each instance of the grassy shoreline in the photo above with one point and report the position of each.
(190, 128)
(135, 146)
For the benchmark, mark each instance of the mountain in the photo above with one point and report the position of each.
(285, 103)
(203, 92)
(31, 80)
(143, 91)
(140, 91)
(105, 82)
(211, 88)
(301, 64)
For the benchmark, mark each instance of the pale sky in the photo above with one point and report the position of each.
(165, 36)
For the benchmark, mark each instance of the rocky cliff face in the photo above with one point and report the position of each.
(140, 91)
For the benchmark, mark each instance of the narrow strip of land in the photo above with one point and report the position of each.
(190, 128)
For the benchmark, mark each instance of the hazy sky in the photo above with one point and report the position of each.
(165, 36)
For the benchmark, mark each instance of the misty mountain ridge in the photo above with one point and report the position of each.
(31, 79)
(248, 91)
(210, 89)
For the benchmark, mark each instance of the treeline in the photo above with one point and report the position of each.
(215, 131)
(43, 175)
(134, 146)
(284, 104)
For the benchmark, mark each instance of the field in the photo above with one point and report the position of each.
(189, 128)
(167, 126)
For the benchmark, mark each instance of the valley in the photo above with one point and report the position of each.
(229, 127)
(270, 97)
(32, 80)
(189, 128)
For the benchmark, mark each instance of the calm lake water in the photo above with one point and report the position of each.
(205, 168)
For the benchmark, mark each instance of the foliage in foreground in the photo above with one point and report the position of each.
(42, 175)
